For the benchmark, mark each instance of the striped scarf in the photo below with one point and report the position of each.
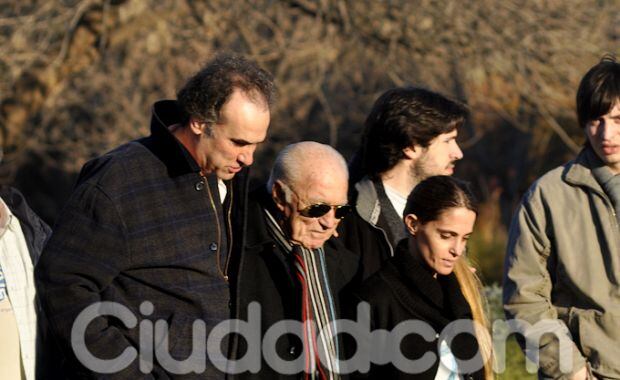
(318, 308)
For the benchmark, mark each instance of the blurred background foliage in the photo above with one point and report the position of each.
(78, 78)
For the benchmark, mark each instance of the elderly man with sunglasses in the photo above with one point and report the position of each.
(292, 264)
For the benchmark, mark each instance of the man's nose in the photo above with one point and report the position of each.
(608, 130)
(457, 153)
(247, 156)
(328, 220)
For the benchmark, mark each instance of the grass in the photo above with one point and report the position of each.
(515, 361)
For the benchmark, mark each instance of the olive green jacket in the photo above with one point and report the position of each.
(562, 273)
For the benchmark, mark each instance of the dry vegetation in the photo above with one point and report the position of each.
(78, 77)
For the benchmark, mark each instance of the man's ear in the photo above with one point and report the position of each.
(197, 127)
(278, 193)
(412, 223)
(412, 152)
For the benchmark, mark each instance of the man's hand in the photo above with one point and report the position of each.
(583, 374)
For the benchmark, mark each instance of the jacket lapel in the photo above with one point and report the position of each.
(164, 145)
(258, 238)
(342, 264)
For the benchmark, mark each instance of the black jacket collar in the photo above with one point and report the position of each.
(163, 144)
(257, 234)
(172, 153)
(444, 293)
(339, 259)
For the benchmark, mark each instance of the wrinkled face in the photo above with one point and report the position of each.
(328, 188)
(226, 147)
(438, 157)
(604, 136)
(442, 242)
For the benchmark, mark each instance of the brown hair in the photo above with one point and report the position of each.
(204, 94)
(599, 90)
(402, 117)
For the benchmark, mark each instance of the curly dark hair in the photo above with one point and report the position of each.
(599, 90)
(204, 94)
(402, 117)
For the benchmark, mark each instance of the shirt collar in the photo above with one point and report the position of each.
(5, 217)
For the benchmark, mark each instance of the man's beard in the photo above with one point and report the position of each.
(424, 168)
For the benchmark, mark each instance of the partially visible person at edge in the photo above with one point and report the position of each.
(428, 280)
(563, 258)
(409, 135)
(155, 220)
(25, 350)
(292, 264)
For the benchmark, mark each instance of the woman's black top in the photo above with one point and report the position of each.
(404, 290)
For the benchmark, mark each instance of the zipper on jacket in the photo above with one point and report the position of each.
(384, 236)
(218, 225)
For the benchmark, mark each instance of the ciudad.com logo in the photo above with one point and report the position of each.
(377, 346)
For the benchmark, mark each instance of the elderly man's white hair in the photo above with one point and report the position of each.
(296, 163)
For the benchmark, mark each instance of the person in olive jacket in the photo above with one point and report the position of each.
(563, 253)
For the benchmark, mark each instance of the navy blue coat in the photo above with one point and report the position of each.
(141, 225)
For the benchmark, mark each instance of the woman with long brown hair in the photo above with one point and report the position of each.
(429, 281)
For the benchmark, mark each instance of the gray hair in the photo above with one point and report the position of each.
(295, 163)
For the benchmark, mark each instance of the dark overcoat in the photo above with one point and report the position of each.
(142, 225)
(404, 290)
(267, 276)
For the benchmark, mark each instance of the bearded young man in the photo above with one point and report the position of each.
(410, 135)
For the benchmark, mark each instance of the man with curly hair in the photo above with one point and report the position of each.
(151, 226)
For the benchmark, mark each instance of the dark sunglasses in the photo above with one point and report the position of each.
(320, 209)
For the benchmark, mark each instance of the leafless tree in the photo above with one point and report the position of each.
(78, 77)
